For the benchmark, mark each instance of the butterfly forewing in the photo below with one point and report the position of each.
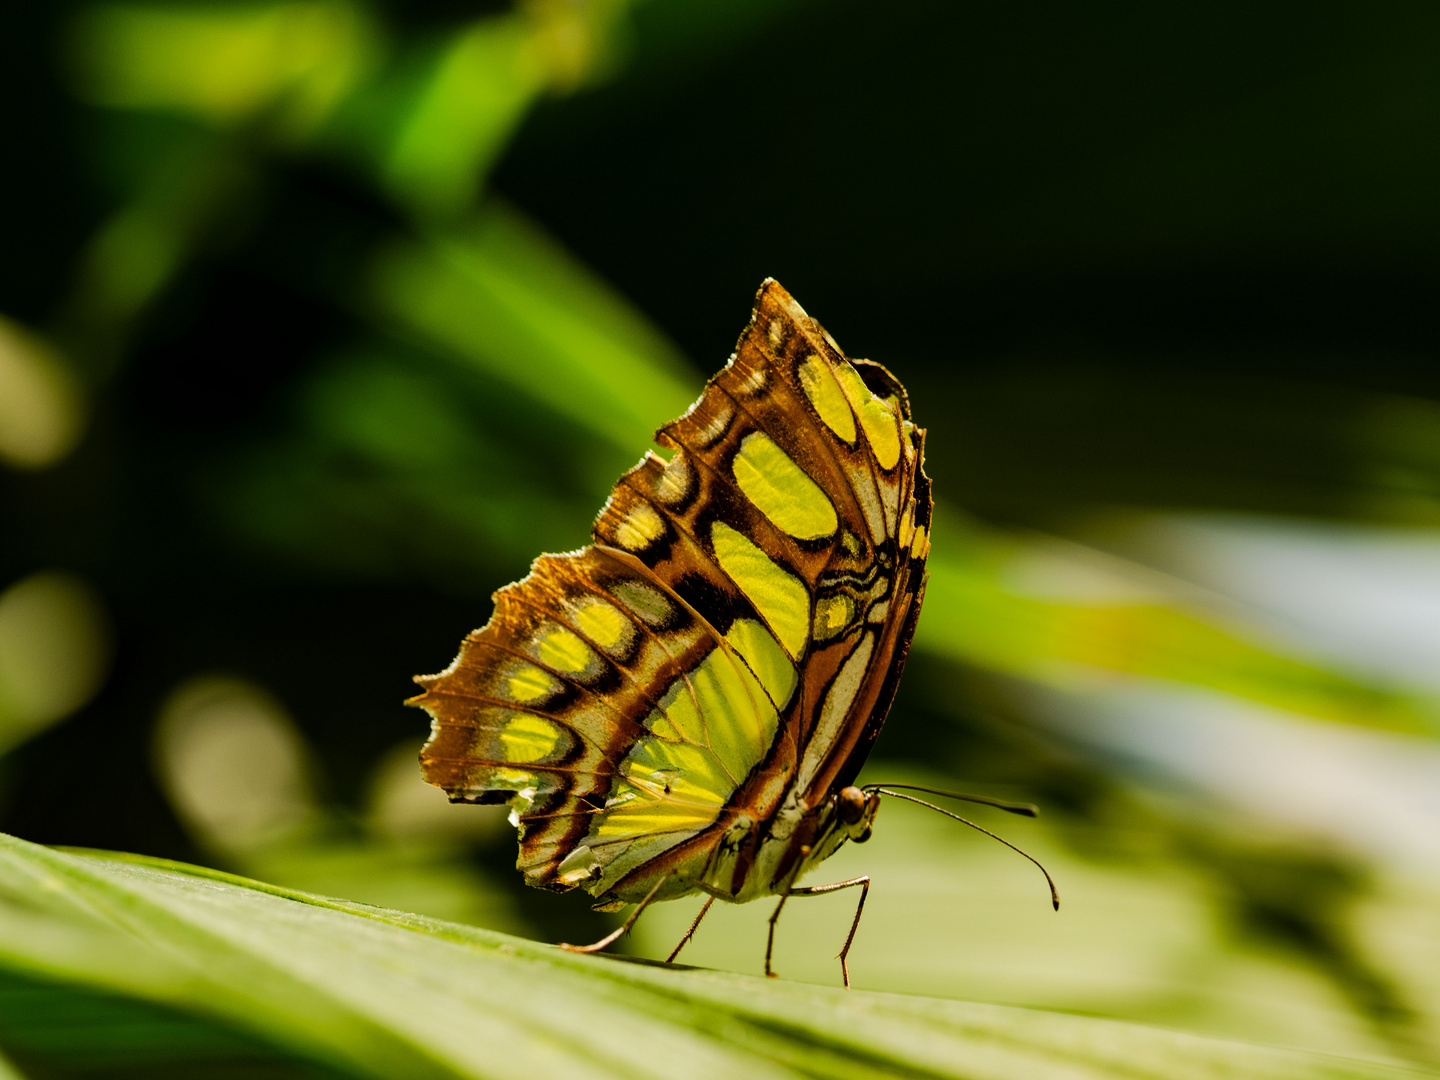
(727, 647)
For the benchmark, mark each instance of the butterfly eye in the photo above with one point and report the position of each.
(851, 806)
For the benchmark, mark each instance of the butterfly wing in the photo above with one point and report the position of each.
(847, 424)
(734, 631)
(810, 498)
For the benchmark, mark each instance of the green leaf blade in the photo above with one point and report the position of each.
(384, 993)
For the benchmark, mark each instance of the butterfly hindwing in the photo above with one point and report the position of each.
(729, 642)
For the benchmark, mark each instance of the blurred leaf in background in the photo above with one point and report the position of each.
(54, 652)
(193, 972)
(321, 320)
(40, 411)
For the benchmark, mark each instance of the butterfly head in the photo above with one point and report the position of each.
(855, 812)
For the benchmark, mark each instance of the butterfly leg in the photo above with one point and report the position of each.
(818, 890)
(614, 936)
(691, 932)
(770, 940)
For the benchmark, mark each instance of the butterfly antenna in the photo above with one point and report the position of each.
(1054, 893)
(1023, 809)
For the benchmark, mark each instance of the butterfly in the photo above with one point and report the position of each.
(683, 706)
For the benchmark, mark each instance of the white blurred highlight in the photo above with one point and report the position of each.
(1366, 599)
(1374, 793)
(1366, 596)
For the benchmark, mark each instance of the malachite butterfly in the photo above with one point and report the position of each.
(683, 706)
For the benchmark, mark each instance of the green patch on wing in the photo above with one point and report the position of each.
(713, 726)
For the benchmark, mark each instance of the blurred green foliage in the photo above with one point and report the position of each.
(319, 320)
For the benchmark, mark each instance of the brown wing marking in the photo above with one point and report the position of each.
(494, 709)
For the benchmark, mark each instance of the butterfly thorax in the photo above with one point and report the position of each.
(794, 841)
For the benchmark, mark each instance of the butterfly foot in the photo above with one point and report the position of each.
(596, 947)
(603, 943)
